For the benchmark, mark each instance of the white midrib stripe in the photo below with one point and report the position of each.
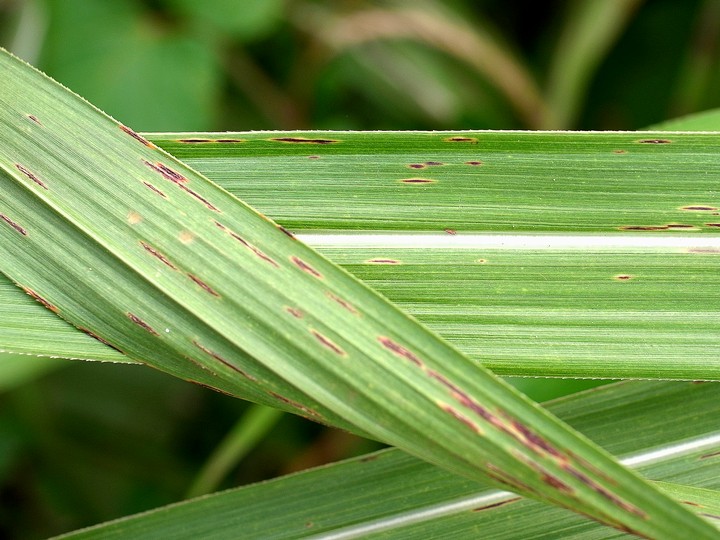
(647, 241)
(644, 458)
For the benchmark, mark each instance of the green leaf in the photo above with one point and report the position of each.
(540, 279)
(702, 121)
(396, 496)
(133, 245)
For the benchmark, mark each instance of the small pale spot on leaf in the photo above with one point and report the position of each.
(134, 218)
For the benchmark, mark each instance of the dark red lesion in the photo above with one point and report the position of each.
(342, 302)
(302, 140)
(257, 251)
(655, 141)
(98, 338)
(699, 208)
(142, 324)
(14, 225)
(137, 137)
(461, 417)
(399, 350)
(156, 190)
(383, 261)
(305, 267)
(295, 312)
(497, 504)
(194, 141)
(328, 343)
(460, 139)
(204, 286)
(35, 119)
(30, 175)
(155, 253)
(222, 360)
(417, 181)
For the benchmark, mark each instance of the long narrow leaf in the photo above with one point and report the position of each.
(394, 495)
(121, 239)
(581, 254)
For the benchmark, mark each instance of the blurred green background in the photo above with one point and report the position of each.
(82, 443)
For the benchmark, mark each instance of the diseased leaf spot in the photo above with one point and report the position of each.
(712, 224)
(167, 172)
(133, 218)
(497, 504)
(229, 141)
(617, 501)
(710, 455)
(474, 163)
(704, 251)
(417, 181)
(299, 406)
(34, 119)
(619, 151)
(451, 231)
(305, 267)
(711, 516)
(644, 228)
(286, 232)
(295, 312)
(623, 277)
(186, 237)
(416, 166)
(101, 340)
(30, 175)
(313, 157)
(14, 225)
(194, 141)
(690, 503)
(344, 303)
(461, 417)
(459, 139)
(257, 251)
(399, 350)
(142, 324)
(137, 137)
(699, 208)
(204, 286)
(302, 140)
(654, 141)
(222, 360)
(434, 163)
(680, 226)
(153, 188)
(383, 261)
(40, 299)
(328, 343)
(155, 253)
(481, 261)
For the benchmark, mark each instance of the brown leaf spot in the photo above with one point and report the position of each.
(40, 299)
(101, 340)
(302, 140)
(619, 151)
(194, 141)
(699, 208)
(654, 141)
(155, 253)
(711, 516)
(644, 228)
(417, 181)
(383, 261)
(474, 163)
(308, 411)
(680, 226)
(712, 224)
(481, 261)
(416, 166)
(616, 500)
(186, 237)
(30, 175)
(137, 137)
(34, 119)
(461, 417)
(710, 455)
(204, 286)
(14, 225)
(434, 163)
(471, 140)
(142, 324)
(229, 141)
(133, 218)
(153, 188)
(222, 360)
(286, 232)
(313, 157)
(497, 504)
(166, 172)
(344, 303)
(257, 251)
(199, 198)
(328, 343)
(399, 350)
(690, 503)
(451, 231)
(623, 277)
(295, 312)
(305, 267)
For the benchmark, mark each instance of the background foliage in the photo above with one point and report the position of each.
(86, 442)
